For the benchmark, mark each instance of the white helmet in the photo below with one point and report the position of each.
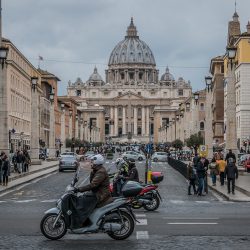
(97, 159)
(118, 160)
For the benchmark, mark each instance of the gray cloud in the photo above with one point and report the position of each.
(181, 33)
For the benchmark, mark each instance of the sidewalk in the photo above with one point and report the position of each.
(35, 171)
(242, 188)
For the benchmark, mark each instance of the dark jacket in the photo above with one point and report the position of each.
(200, 169)
(99, 184)
(6, 167)
(191, 173)
(231, 171)
(19, 158)
(133, 174)
(230, 155)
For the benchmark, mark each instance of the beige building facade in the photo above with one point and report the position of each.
(136, 102)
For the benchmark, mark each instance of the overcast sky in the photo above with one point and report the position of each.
(75, 35)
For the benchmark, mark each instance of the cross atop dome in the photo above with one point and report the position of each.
(131, 30)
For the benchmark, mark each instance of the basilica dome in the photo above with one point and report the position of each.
(131, 50)
(167, 76)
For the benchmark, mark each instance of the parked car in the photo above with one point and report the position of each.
(159, 156)
(133, 155)
(78, 157)
(242, 158)
(247, 164)
(89, 154)
(68, 162)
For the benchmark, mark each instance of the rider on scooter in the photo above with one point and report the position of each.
(133, 174)
(99, 181)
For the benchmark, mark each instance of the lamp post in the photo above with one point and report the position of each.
(34, 137)
(62, 142)
(208, 80)
(52, 153)
(231, 135)
(70, 123)
(196, 97)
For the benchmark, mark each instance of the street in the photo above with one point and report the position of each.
(181, 222)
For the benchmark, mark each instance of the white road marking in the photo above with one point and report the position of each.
(176, 201)
(54, 200)
(202, 202)
(192, 223)
(142, 235)
(196, 218)
(140, 215)
(142, 222)
(2, 201)
(24, 201)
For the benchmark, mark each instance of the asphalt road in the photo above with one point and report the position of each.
(181, 222)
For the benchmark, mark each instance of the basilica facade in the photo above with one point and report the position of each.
(133, 102)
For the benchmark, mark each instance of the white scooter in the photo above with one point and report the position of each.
(116, 219)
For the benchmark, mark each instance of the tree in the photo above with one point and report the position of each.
(177, 144)
(195, 140)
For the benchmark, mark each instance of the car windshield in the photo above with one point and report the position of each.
(68, 158)
(67, 153)
(90, 152)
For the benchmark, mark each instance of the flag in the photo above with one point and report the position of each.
(40, 58)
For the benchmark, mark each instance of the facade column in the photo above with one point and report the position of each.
(111, 132)
(143, 121)
(124, 120)
(63, 128)
(34, 137)
(231, 136)
(70, 125)
(135, 120)
(147, 121)
(76, 127)
(116, 122)
(52, 150)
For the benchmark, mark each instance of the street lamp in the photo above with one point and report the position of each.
(188, 106)
(196, 97)
(52, 95)
(3, 55)
(34, 82)
(231, 53)
(208, 80)
(70, 112)
(62, 106)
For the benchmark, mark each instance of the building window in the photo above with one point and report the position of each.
(78, 92)
(122, 76)
(180, 92)
(140, 75)
(131, 76)
(202, 126)
(139, 93)
(202, 107)
(119, 111)
(119, 93)
(139, 112)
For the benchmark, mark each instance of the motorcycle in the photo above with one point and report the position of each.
(149, 198)
(116, 218)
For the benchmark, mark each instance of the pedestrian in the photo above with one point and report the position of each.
(1, 167)
(214, 171)
(229, 155)
(27, 161)
(205, 163)
(196, 159)
(231, 173)
(221, 164)
(192, 176)
(19, 161)
(201, 172)
(6, 170)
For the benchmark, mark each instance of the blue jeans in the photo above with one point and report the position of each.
(201, 185)
(213, 176)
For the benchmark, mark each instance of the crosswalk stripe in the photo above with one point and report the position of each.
(176, 201)
(2, 201)
(142, 222)
(192, 223)
(24, 201)
(202, 202)
(140, 215)
(142, 235)
(45, 201)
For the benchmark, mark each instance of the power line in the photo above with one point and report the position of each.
(104, 64)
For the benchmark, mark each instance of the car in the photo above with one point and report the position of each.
(79, 157)
(133, 155)
(89, 154)
(68, 162)
(159, 156)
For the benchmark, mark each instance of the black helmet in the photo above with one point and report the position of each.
(131, 162)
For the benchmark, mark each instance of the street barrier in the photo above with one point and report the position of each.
(178, 165)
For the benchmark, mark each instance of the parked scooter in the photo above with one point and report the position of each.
(116, 219)
(149, 197)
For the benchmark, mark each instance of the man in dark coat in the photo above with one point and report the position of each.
(133, 174)
(231, 172)
(99, 182)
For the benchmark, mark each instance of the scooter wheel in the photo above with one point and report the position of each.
(154, 205)
(127, 228)
(47, 229)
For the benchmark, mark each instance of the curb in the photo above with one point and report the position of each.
(225, 196)
(29, 174)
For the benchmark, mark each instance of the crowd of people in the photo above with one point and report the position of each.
(197, 172)
(20, 160)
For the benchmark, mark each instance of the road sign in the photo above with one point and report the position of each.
(203, 150)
